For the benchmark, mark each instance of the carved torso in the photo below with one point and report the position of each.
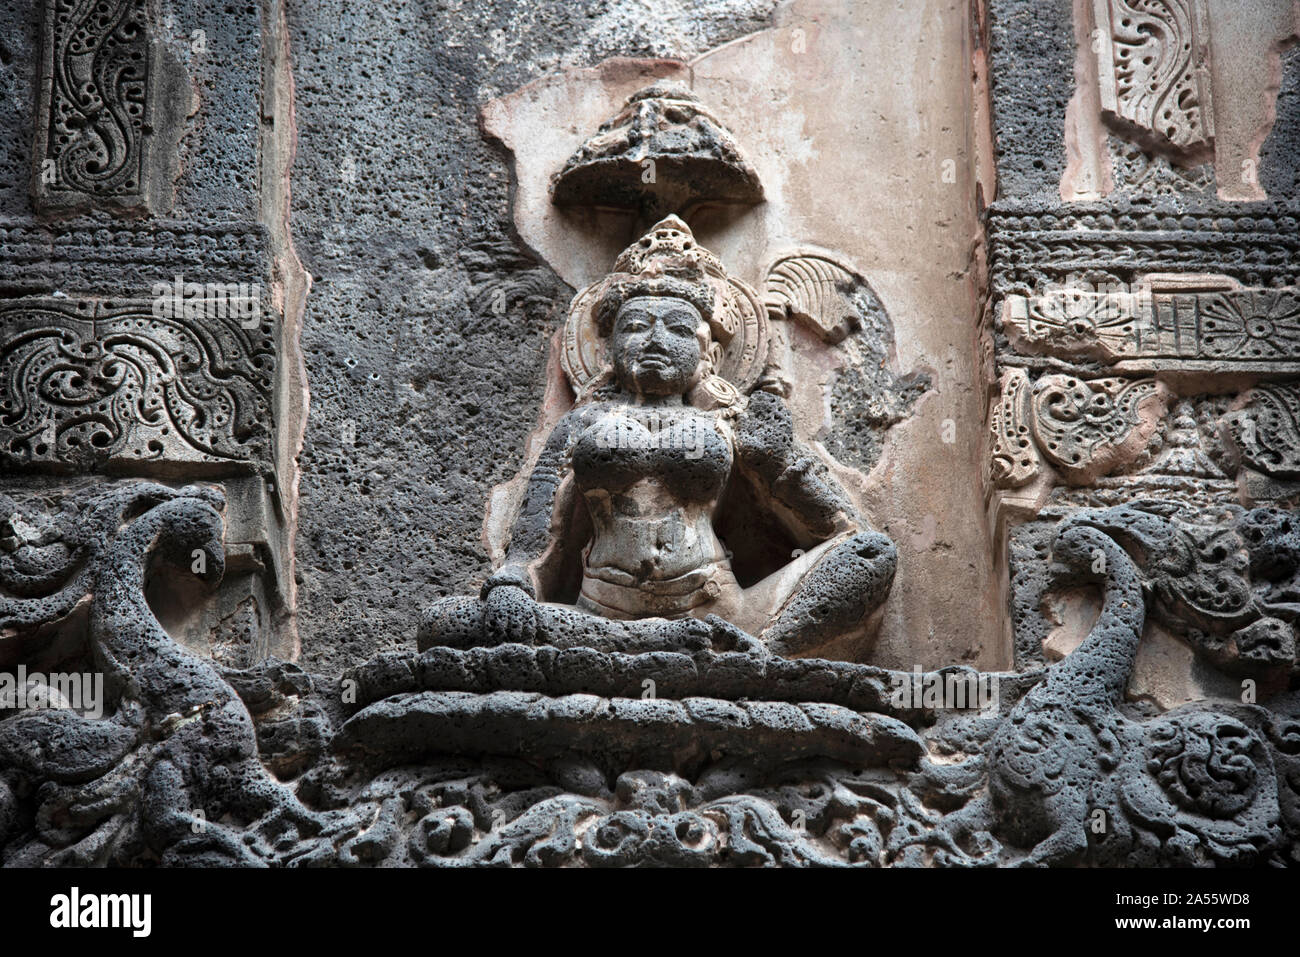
(652, 478)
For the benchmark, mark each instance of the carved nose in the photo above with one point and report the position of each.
(658, 332)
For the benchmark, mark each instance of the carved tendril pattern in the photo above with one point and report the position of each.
(1266, 432)
(1156, 83)
(97, 104)
(126, 385)
(1077, 420)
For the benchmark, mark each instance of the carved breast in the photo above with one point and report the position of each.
(684, 453)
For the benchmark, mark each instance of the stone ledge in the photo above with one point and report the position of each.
(649, 732)
(725, 676)
(1033, 244)
(128, 258)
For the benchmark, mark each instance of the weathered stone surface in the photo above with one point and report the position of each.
(1013, 457)
(586, 528)
(662, 153)
(407, 278)
(1033, 246)
(1172, 99)
(1089, 428)
(1164, 322)
(1122, 262)
(146, 148)
(658, 733)
(128, 259)
(502, 776)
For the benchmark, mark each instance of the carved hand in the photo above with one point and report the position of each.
(510, 614)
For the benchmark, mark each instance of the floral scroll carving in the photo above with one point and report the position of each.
(1152, 60)
(1266, 433)
(1014, 459)
(1084, 428)
(112, 101)
(1087, 428)
(107, 383)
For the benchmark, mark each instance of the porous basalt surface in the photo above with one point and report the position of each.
(409, 254)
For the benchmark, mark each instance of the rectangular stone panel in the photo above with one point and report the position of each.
(1032, 246)
(1207, 323)
(168, 385)
(113, 102)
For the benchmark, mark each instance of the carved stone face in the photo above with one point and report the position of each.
(657, 345)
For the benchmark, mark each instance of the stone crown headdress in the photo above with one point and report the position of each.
(667, 261)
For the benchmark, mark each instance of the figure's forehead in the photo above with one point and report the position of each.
(659, 306)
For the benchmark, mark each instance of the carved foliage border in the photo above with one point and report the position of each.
(92, 384)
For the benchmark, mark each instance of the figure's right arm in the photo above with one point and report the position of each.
(536, 538)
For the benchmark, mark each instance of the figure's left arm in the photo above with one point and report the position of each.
(810, 501)
(832, 599)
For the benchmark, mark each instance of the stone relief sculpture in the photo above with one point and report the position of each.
(739, 760)
(88, 382)
(694, 158)
(651, 677)
(176, 746)
(665, 354)
(1072, 778)
(1152, 60)
(113, 99)
(1160, 320)
(1182, 107)
(137, 345)
(1143, 367)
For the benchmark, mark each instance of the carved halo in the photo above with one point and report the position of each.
(737, 308)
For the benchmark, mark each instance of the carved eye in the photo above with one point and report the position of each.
(681, 321)
(633, 322)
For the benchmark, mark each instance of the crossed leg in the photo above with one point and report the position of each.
(821, 601)
(824, 596)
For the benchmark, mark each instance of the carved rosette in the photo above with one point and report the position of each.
(1128, 287)
(1207, 324)
(1245, 325)
(1164, 321)
(1074, 322)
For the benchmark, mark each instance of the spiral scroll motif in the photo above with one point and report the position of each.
(90, 383)
(97, 80)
